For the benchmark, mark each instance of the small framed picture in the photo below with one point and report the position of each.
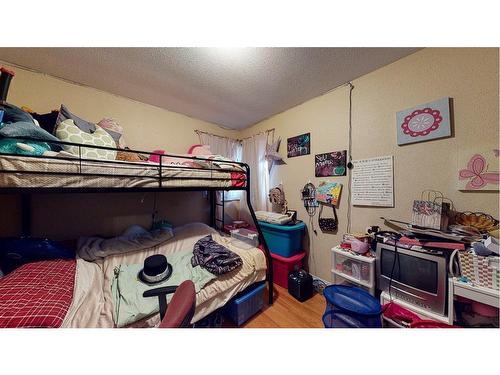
(424, 122)
(299, 145)
(330, 164)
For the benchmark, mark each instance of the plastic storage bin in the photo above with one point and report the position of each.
(283, 240)
(244, 238)
(283, 266)
(350, 307)
(246, 304)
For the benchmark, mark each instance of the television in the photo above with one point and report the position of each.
(418, 277)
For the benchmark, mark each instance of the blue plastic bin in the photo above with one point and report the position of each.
(351, 307)
(283, 240)
(246, 304)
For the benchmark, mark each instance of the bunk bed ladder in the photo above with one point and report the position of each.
(262, 240)
(219, 210)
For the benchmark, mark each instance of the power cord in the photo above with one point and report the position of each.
(349, 164)
(396, 256)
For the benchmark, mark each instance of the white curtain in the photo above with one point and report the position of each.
(227, 147)
(254, 151)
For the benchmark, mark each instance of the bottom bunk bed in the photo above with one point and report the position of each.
(78, 293)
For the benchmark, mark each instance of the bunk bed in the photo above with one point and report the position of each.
(69, 173)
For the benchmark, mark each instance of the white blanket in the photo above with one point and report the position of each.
(133, 239)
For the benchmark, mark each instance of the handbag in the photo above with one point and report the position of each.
(329, 224)
(431, 211)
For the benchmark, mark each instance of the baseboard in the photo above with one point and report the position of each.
(320, 279)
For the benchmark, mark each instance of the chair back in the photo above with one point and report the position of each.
(181, 308)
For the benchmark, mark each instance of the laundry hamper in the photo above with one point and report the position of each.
(351, 307)
(482, 271)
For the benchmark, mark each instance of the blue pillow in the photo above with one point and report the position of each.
(28, 129)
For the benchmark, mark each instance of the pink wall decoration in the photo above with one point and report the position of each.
(479, 170)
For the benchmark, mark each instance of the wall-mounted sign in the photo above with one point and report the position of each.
(479, 169)
(424, 122)
(330, 164)
(373, 182)
(299, 145)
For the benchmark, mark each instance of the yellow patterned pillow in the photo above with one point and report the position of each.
(67, 131)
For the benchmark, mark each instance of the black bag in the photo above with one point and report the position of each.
(328, 224)
(300, 285)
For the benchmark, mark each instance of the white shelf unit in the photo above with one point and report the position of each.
(481, 294)
(476, 293)
(358, 270)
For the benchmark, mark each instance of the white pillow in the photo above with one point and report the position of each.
(67, 131)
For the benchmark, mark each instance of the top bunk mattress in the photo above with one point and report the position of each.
(35, 172)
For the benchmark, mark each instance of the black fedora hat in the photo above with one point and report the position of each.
(156, 269)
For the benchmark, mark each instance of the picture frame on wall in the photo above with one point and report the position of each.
(330, 164)
(479, 169)
(424, 122)
(298, 145)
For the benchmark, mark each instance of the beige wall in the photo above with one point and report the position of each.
(469, 76)
(146, 128)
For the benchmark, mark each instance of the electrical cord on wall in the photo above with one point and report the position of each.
(311, 242)
(396, 256)
(349, 163)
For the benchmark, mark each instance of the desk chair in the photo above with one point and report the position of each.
(180, 309)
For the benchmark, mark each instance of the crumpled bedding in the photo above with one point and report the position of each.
(127, 290)
(133, 239)
(92, 304)
(214, 257)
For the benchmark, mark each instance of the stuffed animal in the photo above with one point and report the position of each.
(11, 146)
(128, 156)
(156, 158)
(200, 150)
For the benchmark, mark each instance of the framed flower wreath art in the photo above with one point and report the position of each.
(424, 122)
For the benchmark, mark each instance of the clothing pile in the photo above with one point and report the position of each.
(214, 257)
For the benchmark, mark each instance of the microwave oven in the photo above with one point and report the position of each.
(419, 277)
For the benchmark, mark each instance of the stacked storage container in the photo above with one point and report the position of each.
(285, 245)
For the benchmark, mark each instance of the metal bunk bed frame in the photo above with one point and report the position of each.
(27, 191)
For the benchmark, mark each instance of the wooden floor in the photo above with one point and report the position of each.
(287, 312)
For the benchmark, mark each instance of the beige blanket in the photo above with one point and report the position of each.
(92, 304)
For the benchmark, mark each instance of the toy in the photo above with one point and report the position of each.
(156, 158)
(200, 150)
(11, 146)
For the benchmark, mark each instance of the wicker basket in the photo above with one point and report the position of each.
(482, 271)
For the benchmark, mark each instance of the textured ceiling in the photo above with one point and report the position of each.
(232, 87)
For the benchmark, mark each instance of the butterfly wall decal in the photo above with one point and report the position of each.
(478, 174)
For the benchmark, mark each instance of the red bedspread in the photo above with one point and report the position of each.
(37, 294)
